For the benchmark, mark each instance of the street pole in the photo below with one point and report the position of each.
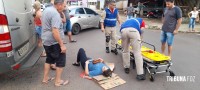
(87, 3)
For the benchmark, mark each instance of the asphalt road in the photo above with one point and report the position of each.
(185, 58)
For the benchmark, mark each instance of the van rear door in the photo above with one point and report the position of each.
(21, 26)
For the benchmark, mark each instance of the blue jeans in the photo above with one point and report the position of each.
(192, 23)
(68, 26)
(38, 30)
(129, 16)
(167, 37)
(82, 57)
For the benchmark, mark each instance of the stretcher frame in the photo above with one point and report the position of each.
(152, 66)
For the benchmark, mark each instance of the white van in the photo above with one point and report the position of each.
(18, 40)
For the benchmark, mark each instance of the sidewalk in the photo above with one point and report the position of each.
(156, 24)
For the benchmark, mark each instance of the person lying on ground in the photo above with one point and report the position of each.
(92, 67)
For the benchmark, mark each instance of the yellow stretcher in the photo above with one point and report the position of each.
(152, 60)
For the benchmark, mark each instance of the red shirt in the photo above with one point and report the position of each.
(37, 21)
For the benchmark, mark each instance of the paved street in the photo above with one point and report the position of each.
(185, 63)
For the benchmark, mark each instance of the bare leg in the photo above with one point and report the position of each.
(40, 42)
(59, 71)
(163, 48)
(169, 51)
(46, 72)
(53, 66)
(70, 36)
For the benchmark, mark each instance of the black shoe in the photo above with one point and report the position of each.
(76, 64)
(127, 70)
(114, 51)
(107, 50)
(141, 77)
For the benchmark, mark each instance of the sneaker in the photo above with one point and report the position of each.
(141, 77)
(107, 50)
(127, 70)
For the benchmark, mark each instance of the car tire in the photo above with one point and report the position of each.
(99, 25)
(76, 29)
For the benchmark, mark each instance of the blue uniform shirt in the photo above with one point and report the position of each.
(136, 23)
(111, 18)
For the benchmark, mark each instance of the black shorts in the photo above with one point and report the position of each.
(54, 55)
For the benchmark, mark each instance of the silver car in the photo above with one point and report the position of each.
(18, 40)
(83, 18)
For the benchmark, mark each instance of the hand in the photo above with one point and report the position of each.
(87, 62)
(63, 49)
(175, 32)
(87, 77)
(100, 59)
(102, 29)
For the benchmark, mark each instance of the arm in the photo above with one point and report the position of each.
(38, 14)
(178, 25)
(88, 77)
(64, 18)
(163, 15)
(197, 18)
(125, 12)
(55, 24)
(179, 20)
(56, 35)
(99, 60)
(103, 16)
(118, 19)
(163, 19)
(189, 15)
(86, 68)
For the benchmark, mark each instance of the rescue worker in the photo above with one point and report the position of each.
(131, 35)
(110, 16)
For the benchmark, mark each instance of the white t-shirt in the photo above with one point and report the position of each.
(194, 14)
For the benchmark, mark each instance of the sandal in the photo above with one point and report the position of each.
(49, 80)
(76, 64)
(73, 41)
(62, 83)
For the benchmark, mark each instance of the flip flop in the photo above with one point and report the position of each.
(64, 42)
(73, 41)
(49, 80)
(63, 83)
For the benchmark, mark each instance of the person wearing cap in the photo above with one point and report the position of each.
(131, 36)
(110, 16)
(92, 67)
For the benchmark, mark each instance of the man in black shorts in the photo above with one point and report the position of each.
(52, 36)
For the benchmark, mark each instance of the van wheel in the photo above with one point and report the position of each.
(76, 29)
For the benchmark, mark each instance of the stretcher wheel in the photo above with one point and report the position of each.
(171, 73)
(151, 78)
(116, 52)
